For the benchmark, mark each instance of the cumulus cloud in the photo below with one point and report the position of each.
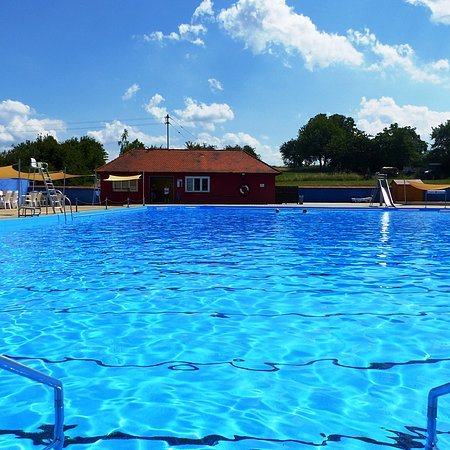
(204, 9)
(268, 25)
(194, 114)
(384, 58)
(440, 9)
(186, 32)
(204, 115)
(376, 114)
(112, 133)
(267, 153)
(131, 92)
(215, 85)
(18, 122)
(153, 108)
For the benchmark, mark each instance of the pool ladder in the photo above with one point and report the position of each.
(434, 394)
(27, 372)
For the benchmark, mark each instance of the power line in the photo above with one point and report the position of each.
(180, 133)
(181, 126)
(63, 125)
(112, 120)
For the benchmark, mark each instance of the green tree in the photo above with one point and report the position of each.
(398, 147)
(78, 156)
(197, 146)
(349, 146)
(125, 145)
(331, 142)
(246, 148)
(440, 148)
(292, 155)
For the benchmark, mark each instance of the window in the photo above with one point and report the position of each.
(197, 184)
(125, 186)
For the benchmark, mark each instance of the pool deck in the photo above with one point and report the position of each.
(12, 213)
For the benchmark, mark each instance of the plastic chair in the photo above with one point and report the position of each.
(39, 199)
(14, 199)
(7, 200)
(31, 199)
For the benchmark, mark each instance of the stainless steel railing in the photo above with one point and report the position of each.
(433, 396)
(24, 371)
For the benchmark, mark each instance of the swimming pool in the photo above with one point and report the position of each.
(239, 328)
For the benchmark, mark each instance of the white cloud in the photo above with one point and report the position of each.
(440, 9)
(154, 109)
(112, 133)
(207, 116)
(194, 113)
(383, 58)
(376, 114)
(186, 32)
(204, 9)
(131, 92)
(18, 122)
(215, 85)
(267, 153)
(267, 25)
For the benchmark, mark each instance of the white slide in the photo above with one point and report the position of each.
(386, 194)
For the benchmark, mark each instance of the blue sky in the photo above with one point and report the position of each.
(246, 72)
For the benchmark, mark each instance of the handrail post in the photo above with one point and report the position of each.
(35, 375)
(433, 396)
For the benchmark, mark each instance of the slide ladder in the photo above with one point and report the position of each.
(27, 372)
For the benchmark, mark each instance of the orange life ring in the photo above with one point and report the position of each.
(244, 189)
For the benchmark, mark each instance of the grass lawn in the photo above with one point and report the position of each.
(293, 177)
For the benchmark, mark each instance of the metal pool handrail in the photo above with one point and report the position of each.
(432, 414)
(24, 371)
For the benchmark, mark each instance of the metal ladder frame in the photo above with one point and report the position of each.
(63, 201)
(433, 396)
(32, 374)
(55, 198)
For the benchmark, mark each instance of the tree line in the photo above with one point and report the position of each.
(80, 156)
(335, 143)
(332, 142)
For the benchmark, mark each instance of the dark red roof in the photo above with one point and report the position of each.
(188, 161)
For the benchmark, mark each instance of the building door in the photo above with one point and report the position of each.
(158, 185)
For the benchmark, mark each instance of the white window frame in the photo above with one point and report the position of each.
(189, 184)
(125, 186)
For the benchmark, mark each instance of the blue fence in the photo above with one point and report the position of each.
(13, 184)
(334, 194)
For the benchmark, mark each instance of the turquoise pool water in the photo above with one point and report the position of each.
(234, 328)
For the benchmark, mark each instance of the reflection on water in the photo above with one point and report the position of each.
(228, 327)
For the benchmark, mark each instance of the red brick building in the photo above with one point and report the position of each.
(187, 176)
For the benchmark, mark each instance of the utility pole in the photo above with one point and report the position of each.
(167, 131)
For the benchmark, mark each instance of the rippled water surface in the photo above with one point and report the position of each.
(234, 328)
